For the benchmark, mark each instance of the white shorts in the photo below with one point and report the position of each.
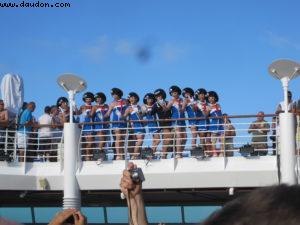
(22, 139)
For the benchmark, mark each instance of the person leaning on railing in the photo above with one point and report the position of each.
(134, 113)
(160, 111)
(259, 130)
(215, 128)
(26, 125)
(117, 108)
(149, 114)
(177, 112)
(45, 133)
(98, 113)
(189, 106)
(201, 111)
(87, 129)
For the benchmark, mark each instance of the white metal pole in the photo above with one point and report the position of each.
(71, 189)
(71, 97)
(287, 148)
(285, 85)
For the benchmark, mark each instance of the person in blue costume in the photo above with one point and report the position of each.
(87, 129)
(201, 111)
(159, 109)
(216, 128)
(101, 126)
(134, 114)
(149, 114)
(117, 108)
(177, 112)
(189, 107)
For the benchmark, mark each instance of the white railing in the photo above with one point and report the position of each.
(18, 145)
(179, 141)
(168, 142)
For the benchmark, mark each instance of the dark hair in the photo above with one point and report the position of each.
(24, 106)
(276, 205)
(47, 109)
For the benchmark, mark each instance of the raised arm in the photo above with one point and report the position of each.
(135, 202)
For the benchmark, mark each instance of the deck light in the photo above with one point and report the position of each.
(72, 85)
(286, 70)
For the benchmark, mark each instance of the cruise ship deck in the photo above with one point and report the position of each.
(196, 179)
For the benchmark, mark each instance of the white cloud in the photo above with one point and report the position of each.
(98, 51)
(124, 47)
(143, 52)
(282, 41)
(173, 52)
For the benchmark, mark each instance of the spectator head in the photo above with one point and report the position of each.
(226, 119)
(187, 92)
(260, 116)
(88, 97)
(175, 91)
(200, 94)
(100, 98)
(62, 102)
(276, 205)
(31, 106)
(1, 105)
(213, 97)
(160, 94)
(116, 93)
(54, 110)
(149, 99)
(47, 109)
(133, 98)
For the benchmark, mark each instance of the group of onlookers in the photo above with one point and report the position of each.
(126, 121)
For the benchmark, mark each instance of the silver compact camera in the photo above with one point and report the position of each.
(137, 175)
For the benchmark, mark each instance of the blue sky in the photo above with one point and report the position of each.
(139, 46)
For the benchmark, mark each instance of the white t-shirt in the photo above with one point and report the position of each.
(45, 119)
(290, 106)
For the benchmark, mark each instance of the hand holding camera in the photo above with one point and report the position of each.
(131, 181)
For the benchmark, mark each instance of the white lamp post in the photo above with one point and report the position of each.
(72, 85)
(285, 70)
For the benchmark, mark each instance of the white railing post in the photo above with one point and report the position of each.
(6, 140)
(287, 148)
(72, 197)
(25, 143)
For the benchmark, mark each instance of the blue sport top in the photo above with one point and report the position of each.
(25, 117)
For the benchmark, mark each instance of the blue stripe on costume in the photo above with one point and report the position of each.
(152, 125)
(99, 117)
(216, 123)
(117, 113)
(87, 128)
(176, 113)
(138, 127)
